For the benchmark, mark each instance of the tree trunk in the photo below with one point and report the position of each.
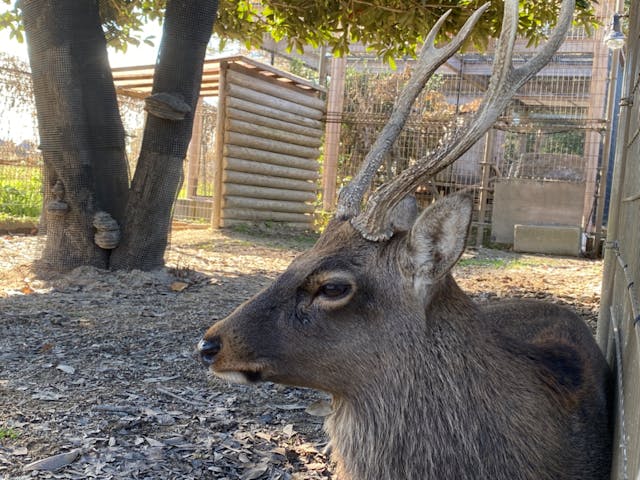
(176, 86)
(82, 137)
(81, 133)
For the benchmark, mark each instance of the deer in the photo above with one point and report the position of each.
(426, 383)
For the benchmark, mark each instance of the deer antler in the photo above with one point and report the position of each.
(374, 223)
(430, 59)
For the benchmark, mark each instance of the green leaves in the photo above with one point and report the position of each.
(10, 19)
(123, 21)
(392, 28)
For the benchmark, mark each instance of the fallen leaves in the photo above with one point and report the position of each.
(255, 472)
(53, 463)
(101, 365)
(178, 286)
(66, 368)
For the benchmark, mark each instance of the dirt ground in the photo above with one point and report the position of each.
(98, 377)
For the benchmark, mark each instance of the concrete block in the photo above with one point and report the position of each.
(548, 239)
(534, 202)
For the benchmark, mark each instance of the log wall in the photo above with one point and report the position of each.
(267, 153)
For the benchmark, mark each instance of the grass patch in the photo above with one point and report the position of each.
(527, 262)
(513, 263)
(522, 263)
(8, 433)
(9, 218)
(21, 191)
(485, 262)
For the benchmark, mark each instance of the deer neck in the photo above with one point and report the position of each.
(379, 431)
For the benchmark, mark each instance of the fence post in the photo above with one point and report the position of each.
(601, 194)
(623, 140)
(194, 151)
(489, 140)
(335, 101)
(219, 149)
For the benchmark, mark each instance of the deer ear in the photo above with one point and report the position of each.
(438, 237)
(404, 214)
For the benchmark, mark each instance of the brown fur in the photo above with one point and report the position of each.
(426, 384)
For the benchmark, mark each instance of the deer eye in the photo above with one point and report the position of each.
(331, 289)
(334, 291)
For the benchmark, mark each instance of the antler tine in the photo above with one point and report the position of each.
(374, 223)
(430, 59)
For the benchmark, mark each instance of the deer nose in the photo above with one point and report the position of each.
(208, 349)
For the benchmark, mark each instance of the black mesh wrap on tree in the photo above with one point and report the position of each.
(81, 132)
(187, 29)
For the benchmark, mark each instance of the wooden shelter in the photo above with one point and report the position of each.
(268, 134)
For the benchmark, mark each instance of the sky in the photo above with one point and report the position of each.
(136, 55)
(22, 125)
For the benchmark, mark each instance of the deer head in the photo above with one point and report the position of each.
(336, 298)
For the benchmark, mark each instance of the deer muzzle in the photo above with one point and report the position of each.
(208, 348)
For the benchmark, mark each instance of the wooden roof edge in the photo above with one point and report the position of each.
(120, 73)
(302, 82)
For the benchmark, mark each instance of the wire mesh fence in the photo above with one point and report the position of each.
(20, 160)
(194, 200)
(21, 164)
(551, 132)
(21, 185)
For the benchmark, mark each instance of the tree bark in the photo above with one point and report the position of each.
(81, 133)
(187, 28)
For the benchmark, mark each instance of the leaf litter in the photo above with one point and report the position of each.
(98, 375)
